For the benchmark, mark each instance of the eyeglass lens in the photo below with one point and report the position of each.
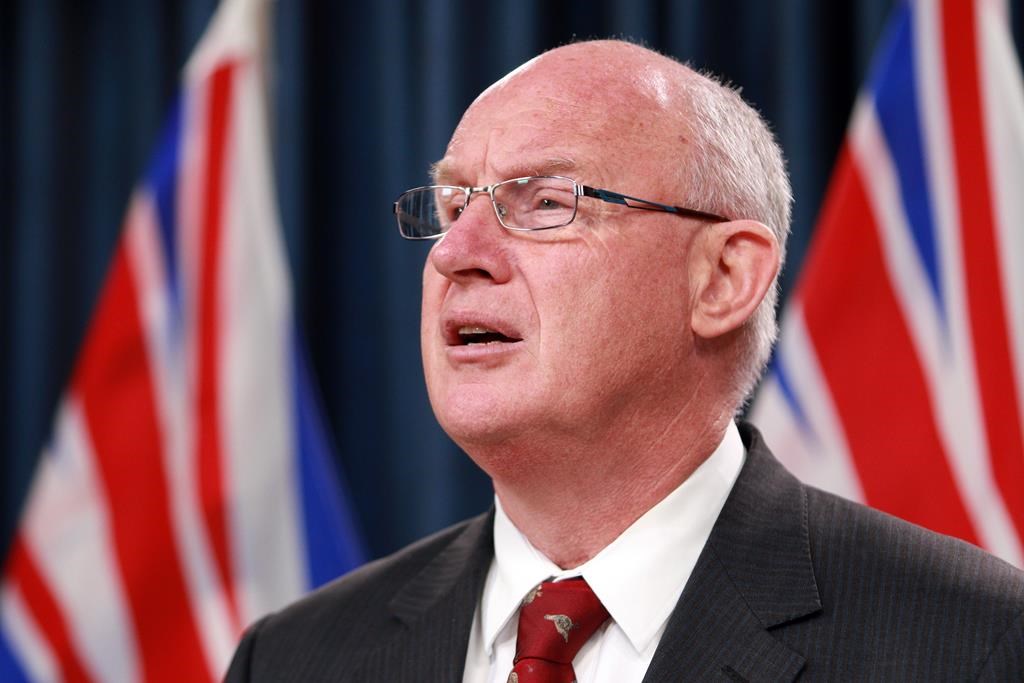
(533, 203)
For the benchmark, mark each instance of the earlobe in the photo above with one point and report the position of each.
(736, 264)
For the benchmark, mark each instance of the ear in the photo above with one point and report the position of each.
(733, 264)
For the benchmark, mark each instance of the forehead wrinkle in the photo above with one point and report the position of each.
(445, 171)
(517, 168)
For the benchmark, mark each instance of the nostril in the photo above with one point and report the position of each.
(476, 272)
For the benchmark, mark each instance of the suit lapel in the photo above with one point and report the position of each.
(434, 612)
(754, 575)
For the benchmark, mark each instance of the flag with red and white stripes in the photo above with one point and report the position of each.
(187, 487)
(899, 375)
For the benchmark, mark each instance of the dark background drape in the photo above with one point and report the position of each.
(364, 97)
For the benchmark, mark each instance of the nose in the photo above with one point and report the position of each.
(475, 247)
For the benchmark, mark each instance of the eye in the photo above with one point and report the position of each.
(450, 204)
(550, 204)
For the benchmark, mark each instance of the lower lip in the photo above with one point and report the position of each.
(469, 353)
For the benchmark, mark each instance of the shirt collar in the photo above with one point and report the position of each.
(641, 574)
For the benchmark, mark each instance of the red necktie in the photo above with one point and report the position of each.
(555, 620)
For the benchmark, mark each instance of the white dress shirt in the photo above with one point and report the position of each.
(638, 577)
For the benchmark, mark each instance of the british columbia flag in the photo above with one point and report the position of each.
(187, 487)
(899, 376)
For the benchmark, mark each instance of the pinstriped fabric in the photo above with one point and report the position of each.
(1004, 662)
(402, 618)
(900, 603)
(793, 584)
(880, 599)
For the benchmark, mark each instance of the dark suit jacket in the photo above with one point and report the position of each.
(793, 583)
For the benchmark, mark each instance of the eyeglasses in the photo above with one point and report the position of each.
(530, 203)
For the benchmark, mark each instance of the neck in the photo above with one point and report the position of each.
(572, 503)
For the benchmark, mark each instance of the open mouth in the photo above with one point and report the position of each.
(469, 335)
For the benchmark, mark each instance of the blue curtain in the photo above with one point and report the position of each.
(365, 98)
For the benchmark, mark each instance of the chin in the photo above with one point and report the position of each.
(478, 417)
(477, 428)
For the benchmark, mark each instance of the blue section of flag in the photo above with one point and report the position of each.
(333, 546)
(781, 375)
(162, 181)
(894, 86)
(10, 668)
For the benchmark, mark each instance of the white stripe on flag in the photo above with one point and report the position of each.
(67, 531)
(188, 209)
(1002, 92)
(255, 347)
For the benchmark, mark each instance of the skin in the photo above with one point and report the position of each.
(620, 384)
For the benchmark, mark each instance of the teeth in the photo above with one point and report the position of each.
(478, 334)
(473, 329)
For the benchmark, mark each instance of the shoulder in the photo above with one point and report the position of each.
(374, 581)
(867, 540)
(892, 589)
(844, 533)
(351, 612)
(916, 594)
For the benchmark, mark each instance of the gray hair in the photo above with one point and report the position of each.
(735, 168)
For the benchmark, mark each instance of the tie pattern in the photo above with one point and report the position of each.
(555, 620)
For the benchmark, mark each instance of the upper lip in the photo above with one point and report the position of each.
(456, 326)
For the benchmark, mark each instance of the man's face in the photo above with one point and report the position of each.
(572, 332)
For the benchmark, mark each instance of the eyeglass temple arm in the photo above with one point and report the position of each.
(624, 199)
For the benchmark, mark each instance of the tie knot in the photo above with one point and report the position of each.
(556, 619)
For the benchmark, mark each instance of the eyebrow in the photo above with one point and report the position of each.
(440, 171)
(443, 171)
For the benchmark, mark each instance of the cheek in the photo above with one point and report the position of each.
(581, 319)
(434, 288)
(630, 311)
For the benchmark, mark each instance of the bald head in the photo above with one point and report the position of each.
(613, 91)
(611, 66)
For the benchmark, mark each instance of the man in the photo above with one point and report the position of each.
(598, 305)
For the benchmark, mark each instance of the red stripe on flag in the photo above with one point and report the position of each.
(117, 395)
(45, 611)
(208, 418)
(981, 260)
(871, 367)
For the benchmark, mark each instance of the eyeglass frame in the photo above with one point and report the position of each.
(579, 190)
